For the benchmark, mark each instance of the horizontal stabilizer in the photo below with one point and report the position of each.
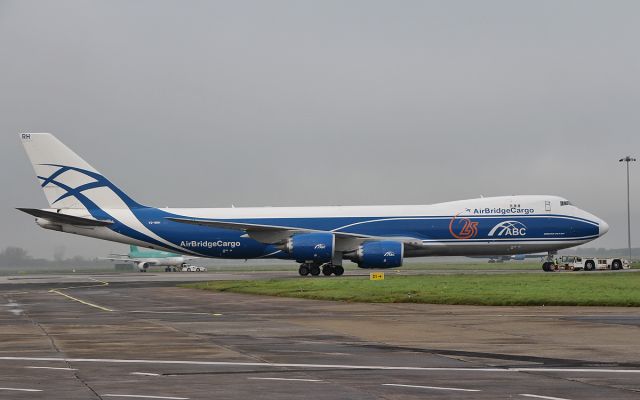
(64, 218)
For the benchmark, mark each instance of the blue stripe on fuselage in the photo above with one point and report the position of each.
(218, 242)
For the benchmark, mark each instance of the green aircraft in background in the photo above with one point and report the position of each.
(145, 258)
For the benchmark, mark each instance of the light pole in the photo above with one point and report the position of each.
(628, 159)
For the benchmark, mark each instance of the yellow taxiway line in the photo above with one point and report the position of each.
(101, 283)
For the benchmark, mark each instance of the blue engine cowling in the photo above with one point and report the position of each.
(311, 246)
(383, 254)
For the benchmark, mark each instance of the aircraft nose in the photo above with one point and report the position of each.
(604, 227)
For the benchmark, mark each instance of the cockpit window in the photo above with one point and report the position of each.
(565, 203)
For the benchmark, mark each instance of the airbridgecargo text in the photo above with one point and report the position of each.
(209, 245)
(503, 211)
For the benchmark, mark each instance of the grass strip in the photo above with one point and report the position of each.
(551, 289)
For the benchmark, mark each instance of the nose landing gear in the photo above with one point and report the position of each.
(549, 264)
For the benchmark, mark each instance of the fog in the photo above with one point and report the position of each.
(284, 103)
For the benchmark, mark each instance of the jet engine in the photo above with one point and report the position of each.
(142, 266)
(311, 246)
(382, 254)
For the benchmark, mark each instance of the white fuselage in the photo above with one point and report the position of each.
(540, 223)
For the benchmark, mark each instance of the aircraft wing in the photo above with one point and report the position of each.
(274, 233)
(64, 218)
(118, 259)
(240, 226)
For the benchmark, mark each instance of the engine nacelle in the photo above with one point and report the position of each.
(383, 254)
(311, 246)
(142, 266)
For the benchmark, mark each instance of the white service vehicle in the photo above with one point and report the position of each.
(577, 263)
(193, 268)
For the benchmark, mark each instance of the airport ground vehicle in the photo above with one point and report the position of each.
(577, 263)
(193, 268)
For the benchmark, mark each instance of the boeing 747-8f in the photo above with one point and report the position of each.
(82, 201)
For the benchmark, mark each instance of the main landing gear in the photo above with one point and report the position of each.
(315, 269)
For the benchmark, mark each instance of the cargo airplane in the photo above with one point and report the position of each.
(84, 202)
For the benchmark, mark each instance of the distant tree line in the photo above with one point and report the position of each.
(602, 252)
(13, 256)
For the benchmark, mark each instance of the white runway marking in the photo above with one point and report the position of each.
(142, 396)
(59, 368)
(20, 389)
(536, 396)
(145, 373)
(334, 366)
(311, 352)
(286, 379)
(431, 387)
(172, 312)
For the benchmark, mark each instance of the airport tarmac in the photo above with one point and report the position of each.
(119, 336)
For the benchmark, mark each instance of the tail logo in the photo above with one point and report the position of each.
(509, 228)
(463, 228)
(56, 178)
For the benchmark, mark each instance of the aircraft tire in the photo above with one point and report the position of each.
(327, 269)
(589, 265)
(303, 270)
(338, 270)
(315, 270)
(546, 267)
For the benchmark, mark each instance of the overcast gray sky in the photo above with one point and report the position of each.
(328, 102)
